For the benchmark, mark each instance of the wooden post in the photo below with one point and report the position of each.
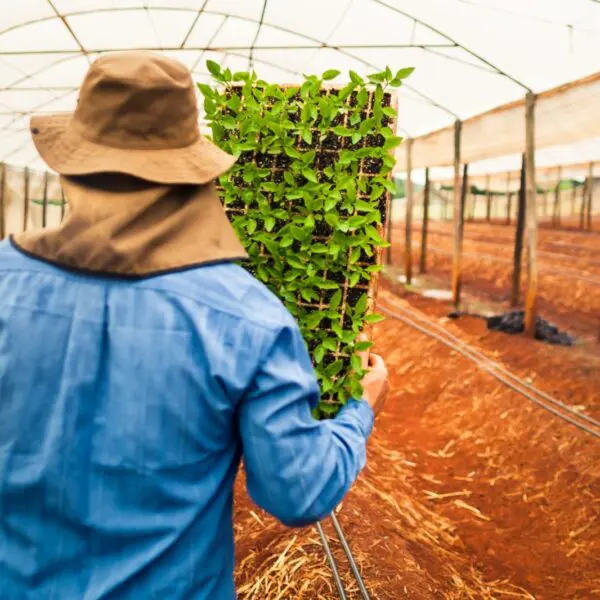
(532, 267)
(546, 201)
(458, 218)
(2, 196)
(509, 208)
(556, 211)
(26, 198)
(426, 192)
(409, 211)
(488, 206)
(583, 206)
(508, 199)
(45, 200)
(463, 198)
(573, 197)
(590, 195)
(518, 252)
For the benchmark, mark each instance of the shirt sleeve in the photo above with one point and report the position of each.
(298, 469)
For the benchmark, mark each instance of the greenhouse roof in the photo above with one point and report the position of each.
(470, 55)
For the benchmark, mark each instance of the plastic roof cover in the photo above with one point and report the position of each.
(470, 55)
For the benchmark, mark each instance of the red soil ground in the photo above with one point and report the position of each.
(569, 266)
(470, 491)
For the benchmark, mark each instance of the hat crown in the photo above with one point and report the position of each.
(138, 100)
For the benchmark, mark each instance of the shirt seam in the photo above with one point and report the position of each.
(69, 277)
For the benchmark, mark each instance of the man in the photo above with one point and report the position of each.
(138, 364)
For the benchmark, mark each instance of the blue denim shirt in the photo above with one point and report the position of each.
(125, 407)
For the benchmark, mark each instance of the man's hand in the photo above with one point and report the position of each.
(375, 383)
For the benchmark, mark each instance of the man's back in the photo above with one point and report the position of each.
(118, 436)
(138, 363)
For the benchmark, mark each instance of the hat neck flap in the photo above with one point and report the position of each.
(121, 226)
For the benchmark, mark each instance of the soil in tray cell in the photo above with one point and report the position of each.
(372, 166)
(354, 294)
(282, 161)
(322, 229)
(338, 277)
(265, 161)
(327, 295)
(375, 141)
(331, 142)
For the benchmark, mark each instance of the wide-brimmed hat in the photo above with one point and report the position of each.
(137, 114)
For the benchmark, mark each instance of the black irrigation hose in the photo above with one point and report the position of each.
(331, 560)
(497, 371)
(332, 564)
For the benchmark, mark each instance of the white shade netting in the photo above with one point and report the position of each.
(470, 55)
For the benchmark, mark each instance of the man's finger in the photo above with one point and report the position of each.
(377, 364)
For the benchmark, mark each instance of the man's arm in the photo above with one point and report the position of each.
(298, 469)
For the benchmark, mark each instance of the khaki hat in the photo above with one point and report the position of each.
(137, 114)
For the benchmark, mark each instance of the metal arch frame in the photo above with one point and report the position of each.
(63, 20)
(318, 44)
(186, 37)
(152, 23)
(313, 46)
(22, 114)
(213, 37)
(261, 22)
(435, 30)
(256, 36)
(536, 19)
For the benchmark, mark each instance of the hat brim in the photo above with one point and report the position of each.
(68, 153)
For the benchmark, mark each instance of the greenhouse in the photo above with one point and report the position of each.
(424, 173)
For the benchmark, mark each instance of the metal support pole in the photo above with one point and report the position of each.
(590, 195)
(532, 267)
(557, 198)
(508, 199)
(583, 206)
(409, 211)
(488, 207)
(518, 252)
(426, 193)
(458, 218)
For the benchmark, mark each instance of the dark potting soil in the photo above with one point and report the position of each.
(322, 229)
(375, 141)
(338, 120)
(514, 322)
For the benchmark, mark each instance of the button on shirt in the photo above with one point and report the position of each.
(125, 407)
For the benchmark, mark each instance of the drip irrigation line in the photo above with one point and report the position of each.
(482, 358)
(332, 564)
(353, 566)
(545, 401)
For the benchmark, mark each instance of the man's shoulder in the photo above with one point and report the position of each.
(227, 288)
